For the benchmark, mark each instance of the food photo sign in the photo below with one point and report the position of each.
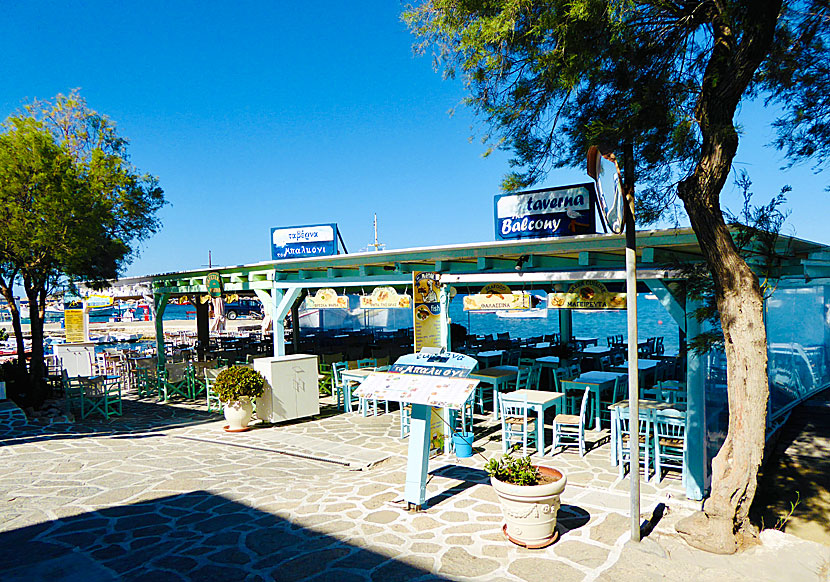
(587, 295)
(426, 313)
(385, 298)
(327, 299)
(549, 212)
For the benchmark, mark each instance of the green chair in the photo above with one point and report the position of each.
(213, 402)
(174, 379)
(324, 378)
(102, 394)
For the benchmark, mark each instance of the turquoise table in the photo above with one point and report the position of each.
(597, 382)
(540, 401)
(497, 377)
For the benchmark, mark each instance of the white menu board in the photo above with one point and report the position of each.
(415, 389)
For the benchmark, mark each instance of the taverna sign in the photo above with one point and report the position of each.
(295, 242)
(549, 212)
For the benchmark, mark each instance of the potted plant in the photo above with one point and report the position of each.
(529, 498)
(235, 388)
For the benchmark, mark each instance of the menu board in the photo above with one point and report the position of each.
(427, 310)
(327, 299)
(417, 389)
(75, 325)
(497, 301)
(385, 298)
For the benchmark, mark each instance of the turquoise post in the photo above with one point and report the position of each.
(696, 466)
(415, 489)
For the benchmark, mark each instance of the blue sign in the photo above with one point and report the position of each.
(296, 242)
(551, 212)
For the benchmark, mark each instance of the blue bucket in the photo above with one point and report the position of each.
(463, 444)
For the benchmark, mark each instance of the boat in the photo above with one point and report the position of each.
(538, 313)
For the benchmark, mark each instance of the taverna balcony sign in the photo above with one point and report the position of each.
(296, 242)
(549, 212)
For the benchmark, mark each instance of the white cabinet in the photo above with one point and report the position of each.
(77, 358)
(290, 387)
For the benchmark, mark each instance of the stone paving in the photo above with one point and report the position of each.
(164, 494)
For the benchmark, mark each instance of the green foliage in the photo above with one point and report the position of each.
(4, 335)
(238, 382)
(515, 470)
(72, 207)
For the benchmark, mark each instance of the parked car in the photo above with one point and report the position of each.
(244, 307)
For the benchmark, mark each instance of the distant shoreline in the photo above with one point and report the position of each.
(147, 329)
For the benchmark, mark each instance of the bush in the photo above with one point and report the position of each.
(518, 471)
(238, 382)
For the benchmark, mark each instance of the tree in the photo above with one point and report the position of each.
(659, 83)
(72, 208)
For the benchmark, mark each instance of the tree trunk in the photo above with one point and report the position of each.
(17, 327)
(738, 49)
(36, 366)
(719, 528)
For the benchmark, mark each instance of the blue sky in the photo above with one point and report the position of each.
(263, 114)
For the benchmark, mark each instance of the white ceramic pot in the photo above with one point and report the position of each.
(530, 510)
(238, 414)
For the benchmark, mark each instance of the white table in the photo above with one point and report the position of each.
(357, 375)
(597, 382)
(645, 368)
(540, 401)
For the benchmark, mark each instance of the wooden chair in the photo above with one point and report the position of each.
(569, 429)
(642, 430)
(516, 426)
(102, 394)
(213, 402)
(173, 380)
(669, 441)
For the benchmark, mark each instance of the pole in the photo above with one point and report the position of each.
(633, 379)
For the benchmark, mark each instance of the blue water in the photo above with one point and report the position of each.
(653, 320)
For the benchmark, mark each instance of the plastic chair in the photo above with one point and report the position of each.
(669, 441)
(569, 429)
(516, 427)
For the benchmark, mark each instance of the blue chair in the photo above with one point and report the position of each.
(669, 441)
(516, 426)
(569, 429)
(340, 385)
(626, 430)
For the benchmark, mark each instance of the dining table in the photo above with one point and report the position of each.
(584, 342)
(597, 382)
(645, 370)
(539, 401)
(489, 358)
(357, 376)
(497, 377)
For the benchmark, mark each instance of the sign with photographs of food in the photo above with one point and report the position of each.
(587, 295)
(385, 298)
(327, 299)
(427, 310)
(497, 301)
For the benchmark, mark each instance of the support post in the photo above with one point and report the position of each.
(159, 305)
(633, 376)
(202, 326)
(415, 489)
(696, 474)
(565, 326)
(283, 300)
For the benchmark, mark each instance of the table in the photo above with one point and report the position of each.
(485, 359)
(583, 342)
(540, 401)
(644, 368)
(551, 363)
(496, 377)
(356, 375)
(597, 350)
(597, 382)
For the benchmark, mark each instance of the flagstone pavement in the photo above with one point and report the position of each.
(163, 493)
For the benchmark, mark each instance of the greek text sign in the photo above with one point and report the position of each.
(316, 240)
(564, 211)
(587, 295)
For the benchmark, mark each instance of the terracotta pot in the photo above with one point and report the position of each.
(238, 414)
(530, 510)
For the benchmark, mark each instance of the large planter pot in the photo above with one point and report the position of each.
(530, 510)
(238, 414)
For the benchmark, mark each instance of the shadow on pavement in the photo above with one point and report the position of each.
(191, 537)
